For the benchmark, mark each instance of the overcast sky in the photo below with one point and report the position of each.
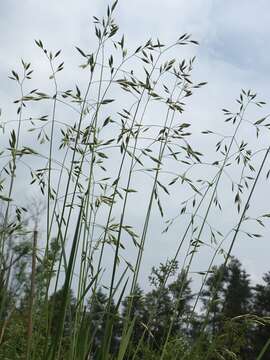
(233, 54)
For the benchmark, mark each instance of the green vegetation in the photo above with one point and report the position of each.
(98, 150)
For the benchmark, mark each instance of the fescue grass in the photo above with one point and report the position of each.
(123, 126)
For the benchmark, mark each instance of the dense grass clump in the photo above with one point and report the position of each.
(108, 159)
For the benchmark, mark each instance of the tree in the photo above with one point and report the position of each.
(261, 307)
(55, 303)
(227, 296)
(97, 313)
(237, 294)
(212, 297)
(136, 307)
(180, 293)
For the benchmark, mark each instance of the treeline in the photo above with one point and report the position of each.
(231, 320)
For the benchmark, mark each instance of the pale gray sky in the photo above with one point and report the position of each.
(233, 54)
